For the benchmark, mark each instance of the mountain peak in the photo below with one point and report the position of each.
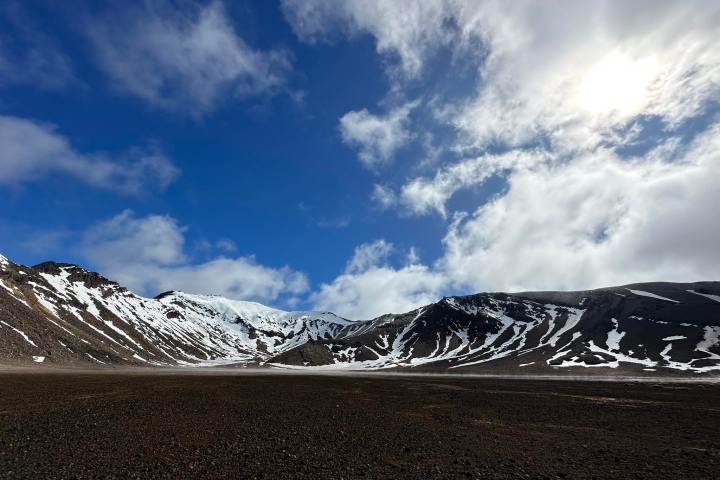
(63, 314)
(74, 273)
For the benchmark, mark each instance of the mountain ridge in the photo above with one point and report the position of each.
(61, 314)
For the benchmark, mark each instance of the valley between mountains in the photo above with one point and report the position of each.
(62, 315)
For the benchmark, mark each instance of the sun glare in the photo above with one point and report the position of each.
(617, 84)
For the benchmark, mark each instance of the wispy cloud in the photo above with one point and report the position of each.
(377, 137)
(425, 195)
(187, 60)
(28, 55)
(321, 220)
(408, 30)
(32, 150)
(383, 196)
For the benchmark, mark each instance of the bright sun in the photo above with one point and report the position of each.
(617, 84)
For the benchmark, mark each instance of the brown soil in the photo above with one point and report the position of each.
(292, 426)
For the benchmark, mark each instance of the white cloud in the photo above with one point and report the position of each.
(377, 138)
(190, 59)
(560, 88)
(383, 196)
(576, 72)
(33, 150)
(370, 287)
(422, 195)
(412, 256)
(596, 221)
(368, 255)
(408, 30)
(155, 239)
(147, 254)
(576, 78)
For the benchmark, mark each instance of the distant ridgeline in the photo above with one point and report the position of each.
(61, 314)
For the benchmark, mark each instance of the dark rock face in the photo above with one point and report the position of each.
(310, 354)
(61, 314)
(76, 274)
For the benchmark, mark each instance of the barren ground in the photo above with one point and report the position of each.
(82, 425)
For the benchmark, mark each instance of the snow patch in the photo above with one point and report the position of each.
(652, 295)
(614, 337)
(706, 295)
(711, 338)
(99, 361)
(20, 332)
(674, 337)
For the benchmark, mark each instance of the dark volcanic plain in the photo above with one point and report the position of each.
(302, 426)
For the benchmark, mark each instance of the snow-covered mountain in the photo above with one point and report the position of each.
(62, 314)
(641, 328)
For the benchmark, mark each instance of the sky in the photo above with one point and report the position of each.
(364, 156)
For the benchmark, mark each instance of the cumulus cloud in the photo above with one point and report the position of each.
(148, 255)
(189, 59)
(377, 138)
(599, 220)
(32, 150)
(575, 72)
(578, 73)
(562, 89)
(370, 286)
(595, 221)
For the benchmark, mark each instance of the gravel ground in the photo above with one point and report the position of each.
(291, 426)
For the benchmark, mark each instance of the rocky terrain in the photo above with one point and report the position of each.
(61, 314)
(330, 427)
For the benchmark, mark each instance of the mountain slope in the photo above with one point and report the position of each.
(57, 313)
(63, 314)
(640, 327)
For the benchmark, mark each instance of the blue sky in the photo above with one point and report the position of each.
(362, 157)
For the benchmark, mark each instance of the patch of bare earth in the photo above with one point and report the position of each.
(291, 426)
